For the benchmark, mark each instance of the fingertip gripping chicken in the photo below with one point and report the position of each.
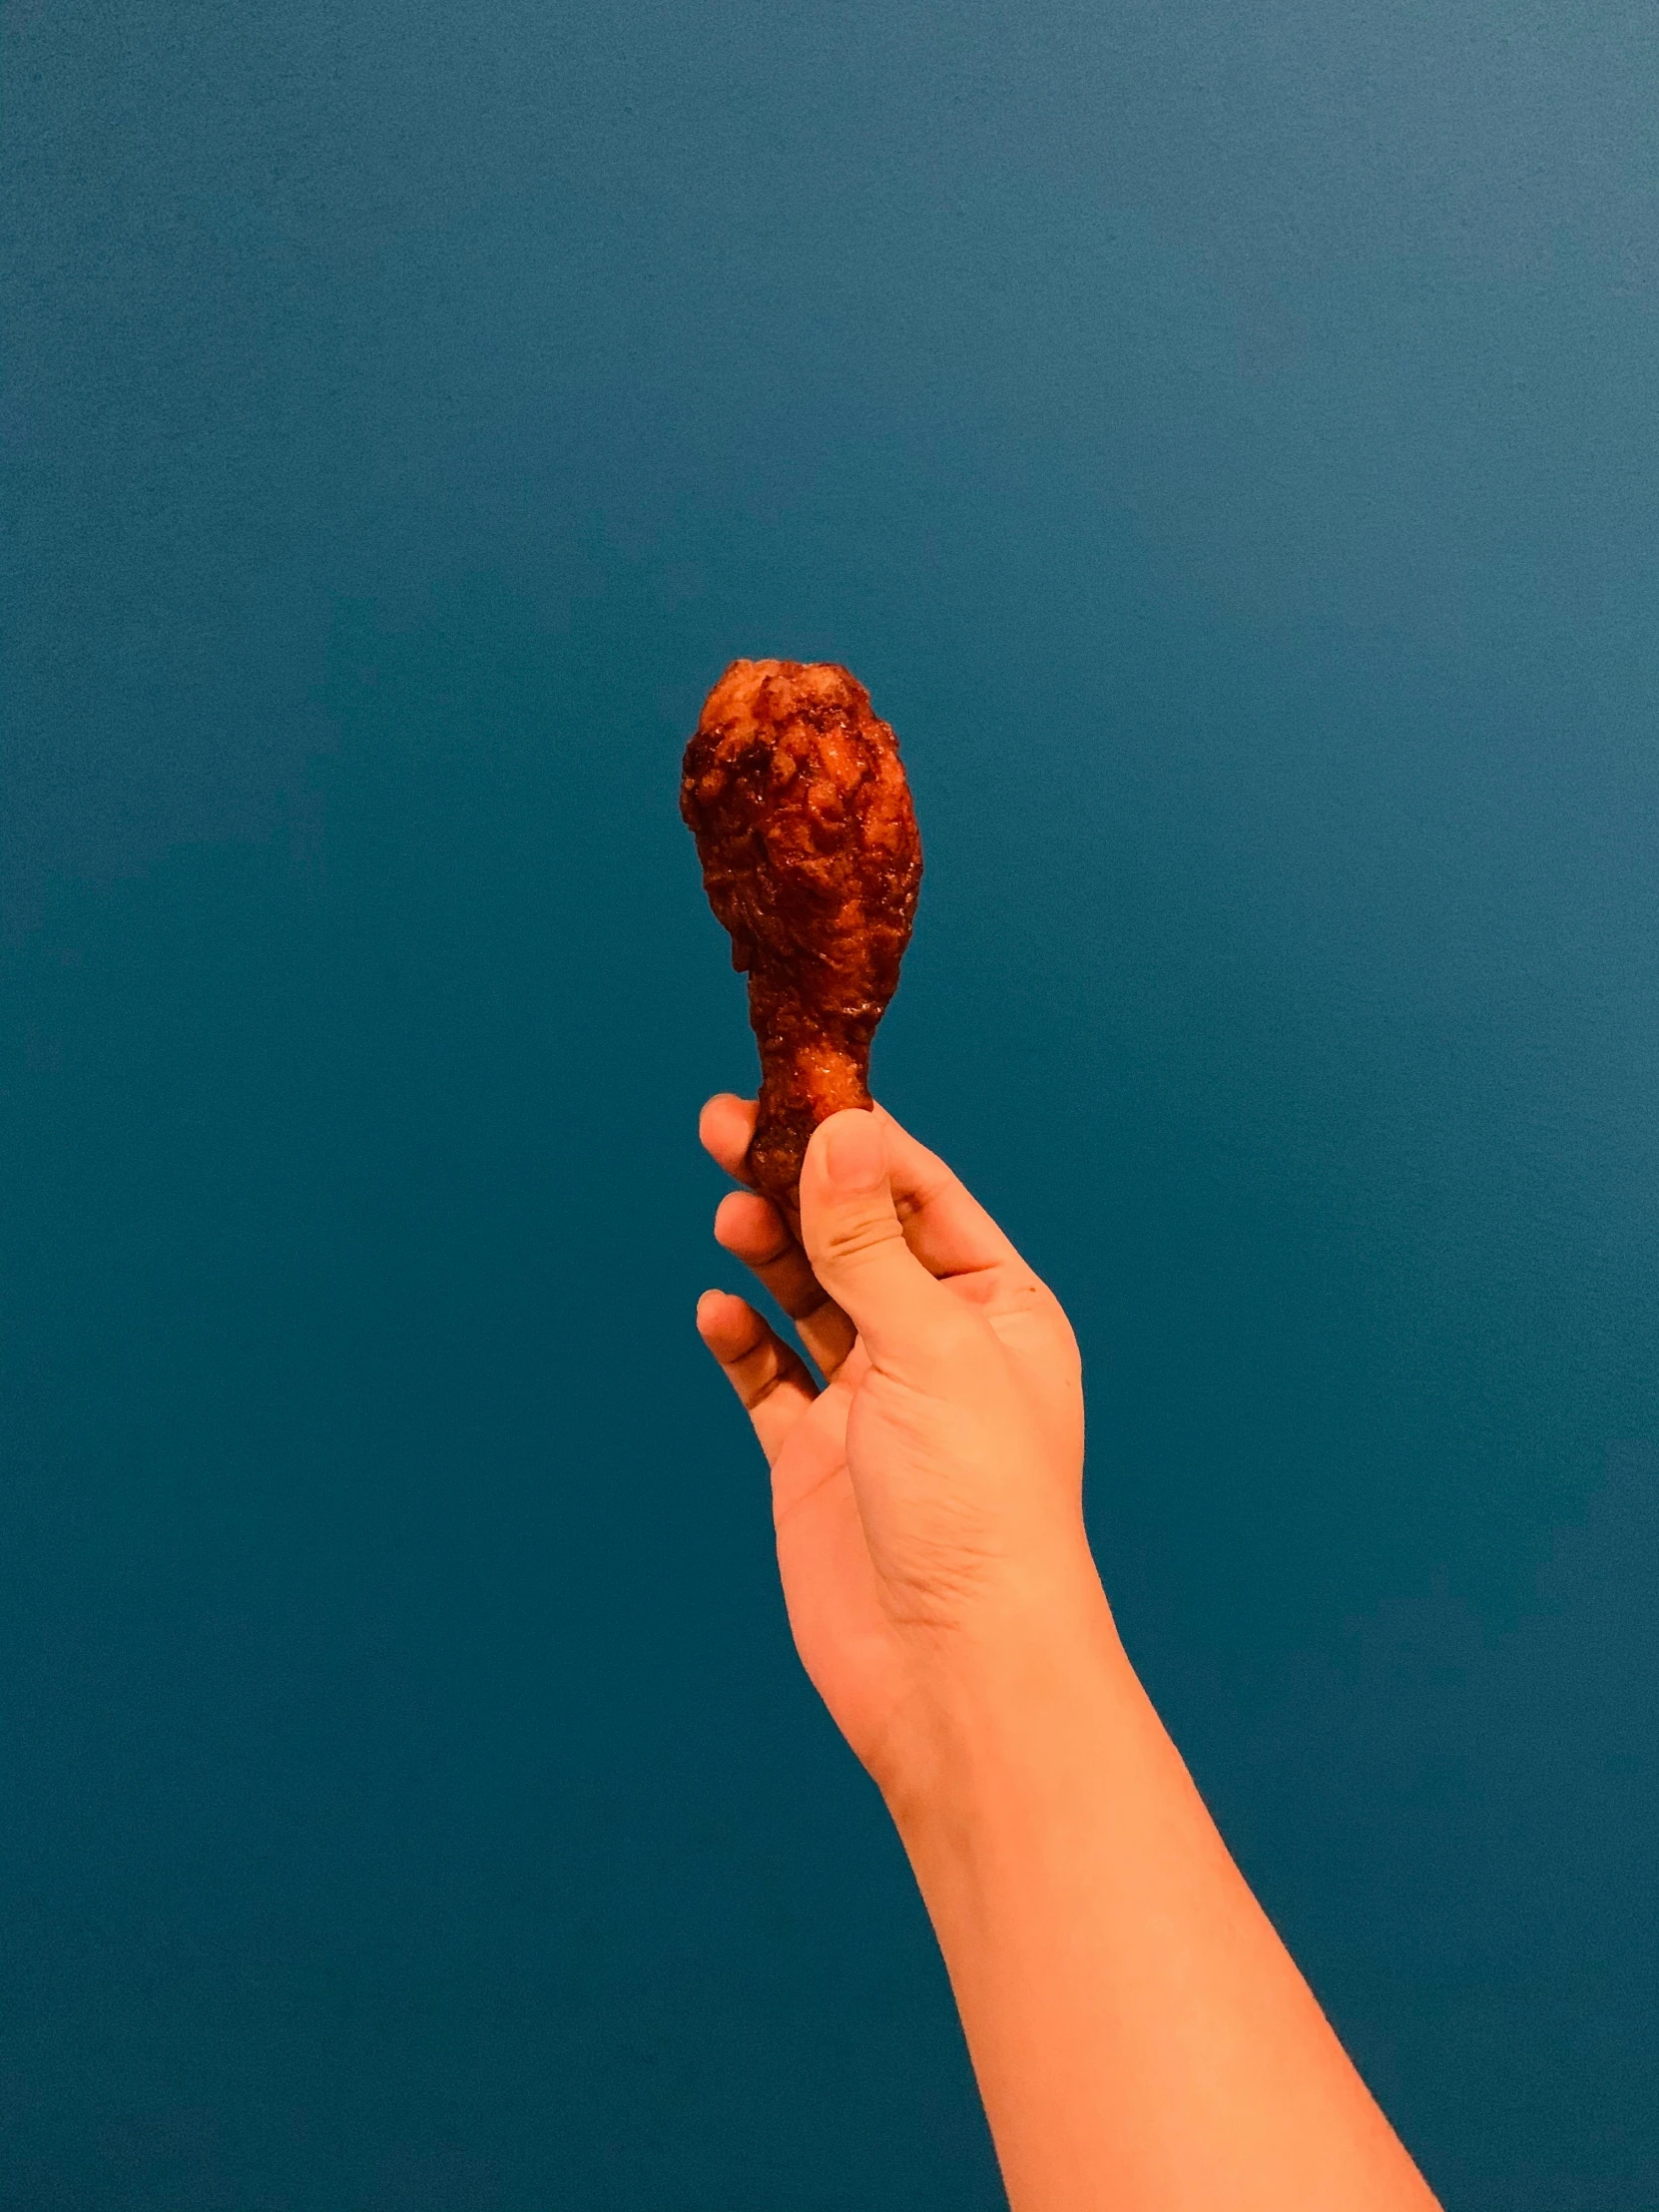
(796, 796)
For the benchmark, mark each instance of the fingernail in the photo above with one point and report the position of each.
(854, 1157)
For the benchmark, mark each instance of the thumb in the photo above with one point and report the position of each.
(853, 1238)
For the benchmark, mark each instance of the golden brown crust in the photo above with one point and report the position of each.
(796, 796)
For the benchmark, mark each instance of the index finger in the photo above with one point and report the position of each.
(946, 1225)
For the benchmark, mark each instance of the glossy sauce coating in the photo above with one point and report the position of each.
(796, 796)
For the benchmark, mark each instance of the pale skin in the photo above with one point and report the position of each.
(1142, 2039)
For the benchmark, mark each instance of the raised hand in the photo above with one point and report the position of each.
(929, 1492)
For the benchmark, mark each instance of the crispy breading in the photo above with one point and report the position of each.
(796, 796)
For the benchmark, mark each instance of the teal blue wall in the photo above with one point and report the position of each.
(1223, 438)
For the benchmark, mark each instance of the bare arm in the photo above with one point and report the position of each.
(1142, 2039)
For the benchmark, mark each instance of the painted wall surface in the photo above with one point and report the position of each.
(1223, 436)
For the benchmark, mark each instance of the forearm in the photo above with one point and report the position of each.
(1142, 2038)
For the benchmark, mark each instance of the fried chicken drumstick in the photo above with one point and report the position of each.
(796, 796)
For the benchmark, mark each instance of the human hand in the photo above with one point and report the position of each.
(929, 1494)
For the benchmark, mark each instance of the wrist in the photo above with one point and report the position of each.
(1003, 1709)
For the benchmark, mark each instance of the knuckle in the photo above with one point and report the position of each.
(857, 1237)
